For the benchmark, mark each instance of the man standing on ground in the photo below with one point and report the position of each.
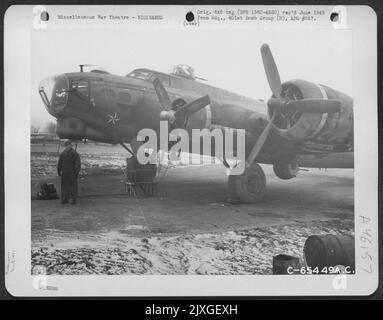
(68, 168)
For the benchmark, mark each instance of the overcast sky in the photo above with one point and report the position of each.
(228, 59)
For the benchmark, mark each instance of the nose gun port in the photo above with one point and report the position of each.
(54, 94)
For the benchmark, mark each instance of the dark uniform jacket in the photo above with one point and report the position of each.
(69, 162)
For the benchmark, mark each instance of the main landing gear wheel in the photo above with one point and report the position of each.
(286, 171)
(248, 187)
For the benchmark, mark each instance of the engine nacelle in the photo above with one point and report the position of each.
(332, 131)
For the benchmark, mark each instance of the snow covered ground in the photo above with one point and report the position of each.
(248, 251)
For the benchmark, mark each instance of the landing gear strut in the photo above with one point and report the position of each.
(248, 187)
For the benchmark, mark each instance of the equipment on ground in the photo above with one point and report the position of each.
(47, 192)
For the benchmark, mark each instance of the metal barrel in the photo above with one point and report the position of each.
(285, 264)
(330, 251)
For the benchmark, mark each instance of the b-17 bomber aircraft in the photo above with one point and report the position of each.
(303, 124)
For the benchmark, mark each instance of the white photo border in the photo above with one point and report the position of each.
(17, 92)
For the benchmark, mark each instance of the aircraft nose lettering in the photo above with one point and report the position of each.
(54, 93)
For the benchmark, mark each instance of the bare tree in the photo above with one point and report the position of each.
(35, 129)
(51, 127)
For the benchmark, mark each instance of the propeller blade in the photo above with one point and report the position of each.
(313, 106)
(260, 142)
(162, 95)
(193, 106)
(271, 70)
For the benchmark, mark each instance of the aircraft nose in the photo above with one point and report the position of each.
(54, 92)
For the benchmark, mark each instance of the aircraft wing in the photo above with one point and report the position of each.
(276, 139)
(277, 144)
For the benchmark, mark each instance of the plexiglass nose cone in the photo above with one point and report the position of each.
(54, 93)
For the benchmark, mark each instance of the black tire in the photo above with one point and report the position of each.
(286, 171)
(249, 187)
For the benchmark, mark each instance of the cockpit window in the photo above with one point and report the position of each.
(81, 87)
(140, 74)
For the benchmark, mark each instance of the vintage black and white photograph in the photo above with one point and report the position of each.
(191, 150)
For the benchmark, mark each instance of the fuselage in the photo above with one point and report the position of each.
(110, 108)
(133, 97)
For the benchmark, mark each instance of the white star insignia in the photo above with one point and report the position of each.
(113, 119)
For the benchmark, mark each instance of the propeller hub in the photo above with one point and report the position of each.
(167, 116)
(183, 110)
(276, 105)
